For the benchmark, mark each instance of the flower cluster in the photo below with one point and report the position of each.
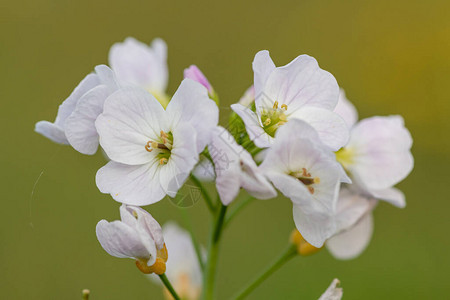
(293, 132)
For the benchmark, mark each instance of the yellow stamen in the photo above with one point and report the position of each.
(267, 122)
(148, 147)
(284, 106)
(163, 161)
(275, 105)
(154, 145)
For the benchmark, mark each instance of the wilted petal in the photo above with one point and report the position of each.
(333, 292)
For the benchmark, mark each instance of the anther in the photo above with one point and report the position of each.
(267, 121)
(284, 106)
(310, 189)
(275, 105)
(148, 147)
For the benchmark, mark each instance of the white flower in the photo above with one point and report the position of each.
(138, 236)
(378, 154)
(152, 149)
(182, 269)
(74, 123)
(138, 64)
(299, 90)
(305, 170)
(354, 224)
(235, 168)
(333, 292)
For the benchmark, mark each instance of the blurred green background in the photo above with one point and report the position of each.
(392, 57)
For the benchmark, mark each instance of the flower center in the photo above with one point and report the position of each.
(305, 177)
(345, 156)
(273, 118)
(162, 147)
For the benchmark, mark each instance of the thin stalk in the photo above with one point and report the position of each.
(211, 264)
(237, 208)
(289, 253)
(206, 196)
(169, 287)
(194, 240)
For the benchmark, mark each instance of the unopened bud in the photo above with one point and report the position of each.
(303, 247)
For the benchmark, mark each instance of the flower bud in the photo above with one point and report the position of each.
(303, 247)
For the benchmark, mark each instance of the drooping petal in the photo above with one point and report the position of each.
(252, 125)
(80, 125)
(191, 104)
(316, 227)
(391, 195)
(346, 110)
(332, 129)
(333, 292)
(302, 82)
(120, 240)
(381, 156)
(134, 185)
(351, 243)
(131, 118)
(51, 131)
(56, 131)
(138, 64)
(262, 68)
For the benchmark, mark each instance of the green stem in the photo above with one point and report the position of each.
(236, 209)
(169, 287)
(289, 253)
(194, 240)
(205, 194)
(211, 264)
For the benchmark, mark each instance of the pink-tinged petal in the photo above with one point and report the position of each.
(351, 243)
(191, 104)
(381, 156)
(332, 129)
(120, 240)
(51, 131)
(302, 82)
(315, 227)
(346, 110)
(253, 127)
(133, 185)
(138, 64)
(131, 118)
(333, 292)
(391, 195)
(80, 125)
(194, 73)
(262, 68)
(248, 98)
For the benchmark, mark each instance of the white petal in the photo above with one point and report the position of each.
(80, 125)
(332, 129)
(56, 131)
(351, 207)
(120, 240)
(52, 132)
(253, 127)
(191, 104)
(351, 243)
(302, 82)
(107, 77)
(204, 170)
(346, 109)
(333, 292)
(262, 68)
(131, 118)
(381, 152)
(134, 185)
(138, 64)
(315, 227)
(391, 195)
